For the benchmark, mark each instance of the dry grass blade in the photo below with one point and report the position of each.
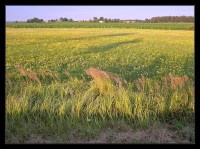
(175, 82)
(30, 74)
(100, 75)
(140, 83)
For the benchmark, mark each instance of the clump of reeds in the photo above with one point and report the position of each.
(140, 83)
(169, 82)
(175, 82)
(105, 80)
(147, 86)
(30, 74)
(107, 95)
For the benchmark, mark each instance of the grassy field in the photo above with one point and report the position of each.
(72, 84)
(164, 26)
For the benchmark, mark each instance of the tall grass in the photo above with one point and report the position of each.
(138, 102)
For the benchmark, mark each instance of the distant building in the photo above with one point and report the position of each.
(82, 21)
(128, 21)
(101, 21)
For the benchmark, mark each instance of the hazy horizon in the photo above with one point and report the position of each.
(22, 13)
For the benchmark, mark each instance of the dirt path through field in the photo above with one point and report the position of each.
(151, 135)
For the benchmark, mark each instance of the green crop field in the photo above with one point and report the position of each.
(165, 26)
(68, 84)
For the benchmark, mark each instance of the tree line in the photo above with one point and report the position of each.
(170, 19)
(158, 19)
(37, 20)
(152, 20)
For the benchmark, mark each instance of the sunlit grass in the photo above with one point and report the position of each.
(143, 76)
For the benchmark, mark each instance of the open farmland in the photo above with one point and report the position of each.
(139, 78)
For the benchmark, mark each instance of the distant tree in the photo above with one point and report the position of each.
(105, 19)
(35, 20)
(70, 20)
(116, 20)
(101, 19)
(52, 20)
(109, 20)
(154, 20)
(147, 20)
(95, 19)
(61, 19)
(65, 19)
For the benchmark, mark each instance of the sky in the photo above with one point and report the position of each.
(22, 13)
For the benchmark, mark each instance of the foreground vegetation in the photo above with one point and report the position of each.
(61, 82)
(164, 26)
